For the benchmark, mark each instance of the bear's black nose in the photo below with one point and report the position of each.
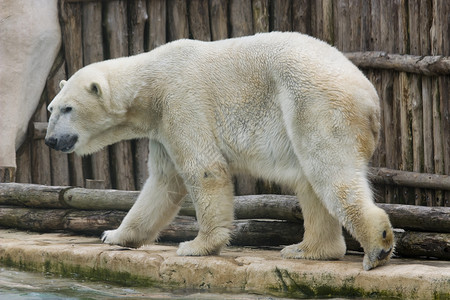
(51, 142)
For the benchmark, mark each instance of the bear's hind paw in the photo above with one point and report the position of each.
(298, 251)
(293, 251)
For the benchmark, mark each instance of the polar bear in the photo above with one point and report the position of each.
(284, 107)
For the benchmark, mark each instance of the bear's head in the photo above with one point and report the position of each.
(84, 116)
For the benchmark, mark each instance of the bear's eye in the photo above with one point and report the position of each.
(66, 109)
(384, 234)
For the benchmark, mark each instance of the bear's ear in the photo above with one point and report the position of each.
(95, 89)
(62, 83)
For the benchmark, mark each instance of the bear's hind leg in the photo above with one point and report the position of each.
(323, 238)
(156, 206)
(212, 194)
(345, 192)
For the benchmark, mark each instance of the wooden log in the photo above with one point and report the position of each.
(245, 232)
(281, 15)
(23, 162)
(424, 65)
(218, 11)
(387, 40)
(406, 145)
(354, 11)
(93, 49)
(419, 218)
(38, 129)
(301, 16)
(137, 11)
(260, 9)
(40, 153)
(115, 19)
(406, 158)
(241, 19)
(157, 12)
(91, 199)
(441, 110)
(95, 184)
(199, 20)
(241, 24)
(416, 100)
(177, 18)
(410, 179)
(59, 161)
(328, 22)
(70, 16)
(424, 20)
(50, 220)
(436, 219)
(423, 244)
(7, 174)
(32, 195)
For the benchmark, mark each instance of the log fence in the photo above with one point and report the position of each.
(403, 47)
(261, 220)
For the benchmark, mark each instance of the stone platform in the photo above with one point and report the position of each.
(236, 270)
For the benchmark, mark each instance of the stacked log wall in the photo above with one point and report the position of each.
(406, 35)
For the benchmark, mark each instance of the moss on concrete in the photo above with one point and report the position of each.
(295, 285)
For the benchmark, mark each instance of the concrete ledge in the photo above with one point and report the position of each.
(236, 270)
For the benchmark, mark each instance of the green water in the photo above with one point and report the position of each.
(20, 285)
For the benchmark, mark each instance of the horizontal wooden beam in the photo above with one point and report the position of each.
(425, 65)
(278, 207)
(260, 233)
(409, 179)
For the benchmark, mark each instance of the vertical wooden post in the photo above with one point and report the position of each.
(73, 53)
(441, 106)
(218, 11)
(241, 19)
(59, 161)
(387, 40)
(374, 43)
(328, 22)
(117, 38)
(40, 153)
(157, 12)
(93, 52)
(137, 11)
(241, 24)
(260, 10)
(437, 48)
(406, 143)
(416, 99)
(7, 174)
(199, 20)
(177, 19)
(301, 16)
(281, 15)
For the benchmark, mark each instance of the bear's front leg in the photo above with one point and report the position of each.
(156, 206)
(211, 190)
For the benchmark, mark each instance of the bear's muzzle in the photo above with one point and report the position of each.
(64, 143)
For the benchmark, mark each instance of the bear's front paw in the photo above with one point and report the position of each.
(377, 257)
(108, 237)
(196, 248)
(112, 237)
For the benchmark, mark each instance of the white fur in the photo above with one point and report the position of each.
(281, 106)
